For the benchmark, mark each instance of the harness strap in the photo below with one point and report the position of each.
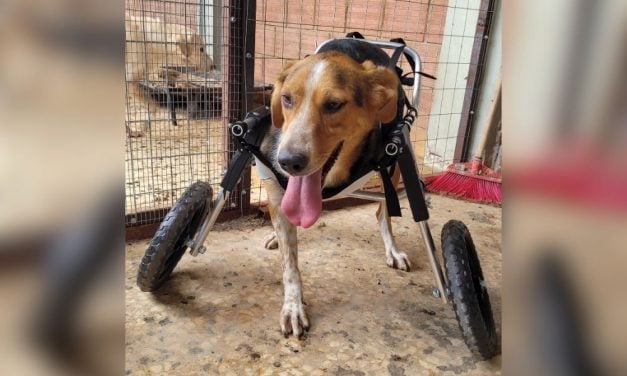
(410, 60)
(413, 187)
(355, 34)
(396, 55)
(393, 65)
(391, 198)
(400, 133)
(405, 80)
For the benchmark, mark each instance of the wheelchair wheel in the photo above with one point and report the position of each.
(169, 243)
(468, 290)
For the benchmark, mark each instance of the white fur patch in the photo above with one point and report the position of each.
(300, 122)
(314, 76)
(293, 317)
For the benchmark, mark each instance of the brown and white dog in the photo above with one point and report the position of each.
(325, 110)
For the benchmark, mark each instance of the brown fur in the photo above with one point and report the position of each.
(370, 96)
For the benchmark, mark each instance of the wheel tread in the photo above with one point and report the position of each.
(479, 334)
(152, 267)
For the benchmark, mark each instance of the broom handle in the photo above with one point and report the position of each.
(477, 159)
(496, 99)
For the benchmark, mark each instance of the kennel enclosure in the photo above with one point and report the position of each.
(249, 42)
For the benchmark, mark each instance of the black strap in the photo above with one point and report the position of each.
(405, 79)
(410, 60)
(411, 180)
(236, 168)
(391, 198)
(423, 74)
(395, 57)
(355, 34)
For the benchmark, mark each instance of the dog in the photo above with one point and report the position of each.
(325, 110)
(151, 47)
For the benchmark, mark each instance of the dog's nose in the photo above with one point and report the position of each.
(292, 163)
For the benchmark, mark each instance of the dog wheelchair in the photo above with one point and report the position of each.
(460, 280)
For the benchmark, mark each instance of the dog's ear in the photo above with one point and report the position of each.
(382, 91)
(276, 108)
(188, 43)
(185, 47)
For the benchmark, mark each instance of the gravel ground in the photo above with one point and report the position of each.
(218, 314)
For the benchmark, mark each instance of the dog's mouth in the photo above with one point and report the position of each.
(302, 201)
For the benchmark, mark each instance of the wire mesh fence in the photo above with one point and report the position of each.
(193, 66)
(179, 75)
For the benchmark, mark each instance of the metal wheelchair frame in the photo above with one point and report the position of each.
(244, 155)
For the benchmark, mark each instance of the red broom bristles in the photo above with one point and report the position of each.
(472, 180)
(468, 187)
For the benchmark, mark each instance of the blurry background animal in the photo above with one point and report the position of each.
(159, 53)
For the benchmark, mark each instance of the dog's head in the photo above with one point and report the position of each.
(326, 105)
(192, 48)
(326, 100)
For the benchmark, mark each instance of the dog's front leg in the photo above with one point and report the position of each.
(293, 317)
(395, 258)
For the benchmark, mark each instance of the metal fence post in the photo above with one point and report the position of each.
(241, 79)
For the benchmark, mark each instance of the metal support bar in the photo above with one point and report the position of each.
(248, 49)
(435, 264)
(201, 236)
(374, 196)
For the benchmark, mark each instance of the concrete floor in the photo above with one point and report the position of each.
(219, 313)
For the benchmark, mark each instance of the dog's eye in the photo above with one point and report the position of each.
(333, 106)
(287, 101)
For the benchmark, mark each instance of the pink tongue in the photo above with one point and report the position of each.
(302, 201)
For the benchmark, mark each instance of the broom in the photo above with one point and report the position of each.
(472, 180)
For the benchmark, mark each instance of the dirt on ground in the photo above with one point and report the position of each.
(219, 312)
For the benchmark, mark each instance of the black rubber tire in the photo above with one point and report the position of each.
(469, 294)
(169, 243)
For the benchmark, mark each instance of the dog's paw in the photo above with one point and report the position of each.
(294, 319)
(271, 241)
(398, 260)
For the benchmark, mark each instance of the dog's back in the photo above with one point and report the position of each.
(358, 49)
